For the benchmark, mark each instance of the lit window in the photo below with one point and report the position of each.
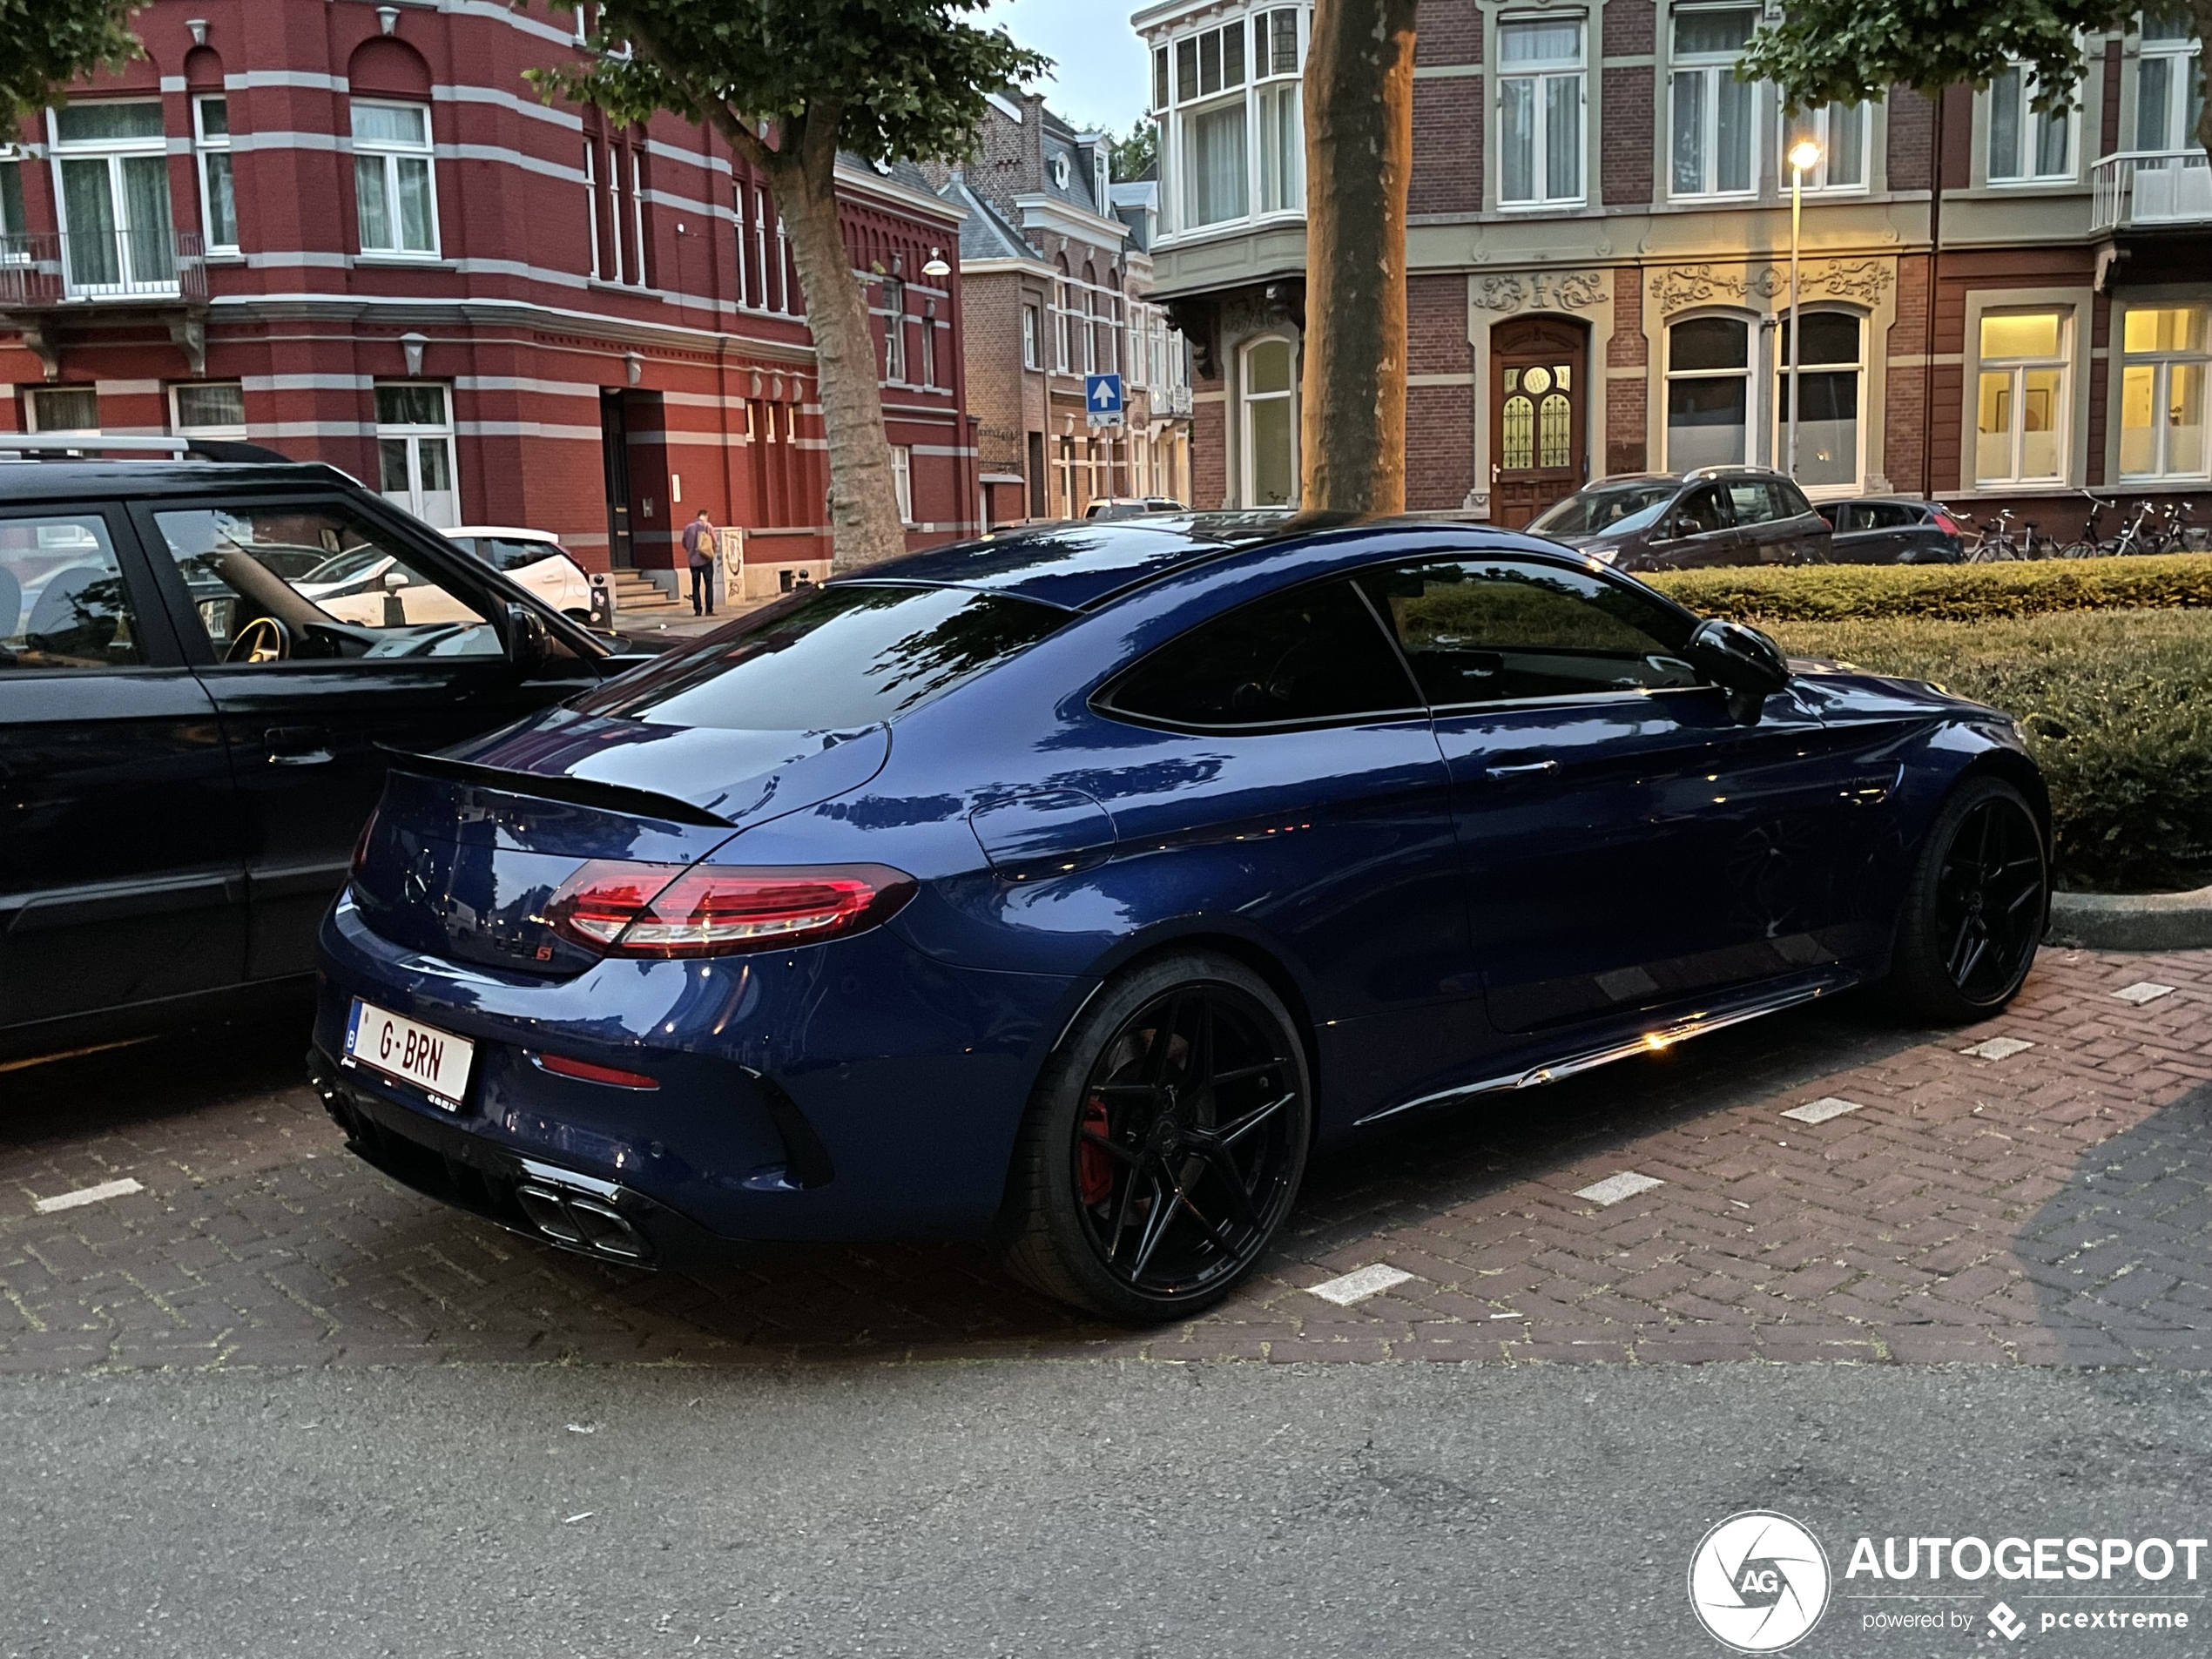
(2027, 144)
(1709, 388)
(1270, 425)
(394, 183)
(2161, 392)
(2021, 398)
(414, 451)
(1712, 110)
(217, 190)
(1539, 112)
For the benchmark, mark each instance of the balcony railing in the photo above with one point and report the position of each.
(44, 268)
(2152, 187)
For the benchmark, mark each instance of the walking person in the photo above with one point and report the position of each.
(698, 546)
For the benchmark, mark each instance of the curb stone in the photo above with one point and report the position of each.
(2132, 921)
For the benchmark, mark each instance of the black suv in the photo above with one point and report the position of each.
(202, 667)
(1680, 521)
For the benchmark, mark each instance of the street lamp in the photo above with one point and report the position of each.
(1803, 155)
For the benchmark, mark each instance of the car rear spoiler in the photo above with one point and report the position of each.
(575, 791)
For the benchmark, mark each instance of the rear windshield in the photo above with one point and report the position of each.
(1605, 507)
(847, 655)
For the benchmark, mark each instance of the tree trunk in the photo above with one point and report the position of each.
(865, 524)
(1359, 161)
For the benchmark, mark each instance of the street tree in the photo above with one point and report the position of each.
(45, 44)
(1847, 51)
(789, 83)
(1359, 164)
(1136, 156)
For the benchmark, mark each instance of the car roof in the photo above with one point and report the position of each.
(514, 532)
(1081, 562)
(29, 481)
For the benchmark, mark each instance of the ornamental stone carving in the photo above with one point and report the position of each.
(1675, 288)
(1541, 290)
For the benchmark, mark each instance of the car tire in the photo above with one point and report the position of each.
(1164, 1145)
(1975, 909)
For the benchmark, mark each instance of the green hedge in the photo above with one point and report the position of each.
(1950, 592)
(2117, 706)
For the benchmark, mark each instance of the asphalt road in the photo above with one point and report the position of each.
(1034, 1508)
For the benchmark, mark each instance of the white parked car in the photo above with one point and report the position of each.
(536, 559)
(353, 586)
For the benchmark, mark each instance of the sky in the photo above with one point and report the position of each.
(1099, 66)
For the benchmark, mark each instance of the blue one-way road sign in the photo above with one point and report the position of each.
(1102, 400)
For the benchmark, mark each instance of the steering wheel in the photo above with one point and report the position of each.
(265, 639)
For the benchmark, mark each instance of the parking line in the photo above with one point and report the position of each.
(1614, 1187)
(122, 1189)
(1819, 1111)
(1360, 1285)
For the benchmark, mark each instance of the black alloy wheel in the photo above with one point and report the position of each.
(1166, 1146)
(1977, 907)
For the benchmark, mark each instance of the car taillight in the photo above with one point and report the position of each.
(619, 908)
(1943, 521)
(360, 845)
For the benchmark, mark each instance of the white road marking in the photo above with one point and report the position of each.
(122, 1189)
(1508, 1316)
(2143, 991)
(1998, 1049)
(1359, 1286)
(586, 1516)
(1819, 1111)
(1614, 1187)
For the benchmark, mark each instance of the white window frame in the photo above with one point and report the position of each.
(392, 153)
(638, 212)
(1714, 68)
(414, 434)
(1246, 401)
(2162, 364)
(1258, 87)
(902, 481)
(1032, 334)
(1746, 376)
(206, 145)
(592, 209)
(895, 332)
(1538, 73)
(1063, 327)
(13, 225)
(929, 346)
(2018, 367)
(113, 152)
(31, 396)
(1819, 124)
(2023, 160)
(1780, 403)
(2183, 57)
(233, 431)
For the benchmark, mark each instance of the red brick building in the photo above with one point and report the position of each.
(2002, 308)
(354, 232)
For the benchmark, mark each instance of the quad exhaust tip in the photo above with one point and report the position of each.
(579, 1213)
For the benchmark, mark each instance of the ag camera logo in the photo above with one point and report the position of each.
(1758, 1581)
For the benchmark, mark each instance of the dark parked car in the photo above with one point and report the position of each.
(1070, 889)
(1885, 530)
(1665, 520)
(189, 744)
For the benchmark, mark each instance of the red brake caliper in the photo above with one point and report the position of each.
(1094, 1165)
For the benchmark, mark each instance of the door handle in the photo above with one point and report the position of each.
(1520, 769)
(298, 746)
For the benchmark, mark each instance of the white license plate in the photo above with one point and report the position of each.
(435, 1062)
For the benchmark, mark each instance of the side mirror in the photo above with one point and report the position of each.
(528, 645)
(1743, 661)
(395, 580)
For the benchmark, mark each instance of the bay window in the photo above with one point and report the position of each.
(1539, 112)
(2027, 145)
(1709, 389)
(2021, 398)
(1712, 111)
(1227, 98)
(2161, 392)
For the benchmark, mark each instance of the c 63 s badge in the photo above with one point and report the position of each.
(1758, 1581)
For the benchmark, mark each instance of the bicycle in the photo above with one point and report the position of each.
(1992, 546)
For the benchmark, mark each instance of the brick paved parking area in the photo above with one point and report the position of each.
(1817, 1186)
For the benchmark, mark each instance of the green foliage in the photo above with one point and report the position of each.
(903, 80)
(45, 44)
(1852, 51)
(1956, 592)
(2117, 706)
(1136, 156)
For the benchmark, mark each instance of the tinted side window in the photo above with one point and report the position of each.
(1491, 630)
(1789, 500)
(62, 604)
(1704, 509)
(1309, 655)
(1753, 501)
(509, 553)
(1894, 518)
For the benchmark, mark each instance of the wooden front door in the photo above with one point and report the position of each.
(1538, 393)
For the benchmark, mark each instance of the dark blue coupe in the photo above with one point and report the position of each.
(1072, 887)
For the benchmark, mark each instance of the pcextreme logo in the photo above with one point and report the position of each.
(1758, 1581)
